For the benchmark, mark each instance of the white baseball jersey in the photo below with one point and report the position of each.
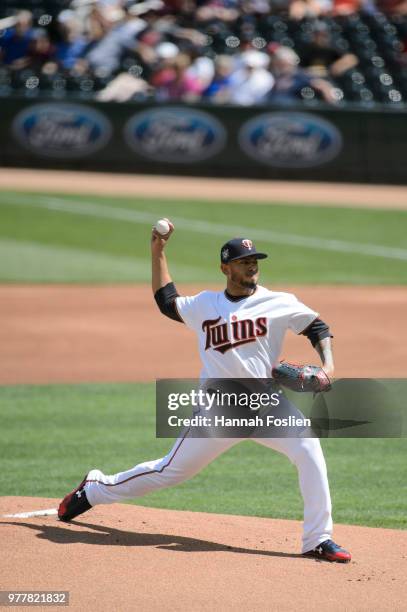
(242, 339)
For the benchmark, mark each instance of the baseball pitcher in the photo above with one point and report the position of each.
(240, 332)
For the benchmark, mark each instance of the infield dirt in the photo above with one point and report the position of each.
(190, 188)
(112, 334)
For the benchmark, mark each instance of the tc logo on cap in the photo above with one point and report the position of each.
(237, 248)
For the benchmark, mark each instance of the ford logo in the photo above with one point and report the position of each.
(177, 135)
(61, 130)
(290, 140)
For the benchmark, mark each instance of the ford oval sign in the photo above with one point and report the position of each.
(290, 140)
(61, 130)
(175, 134)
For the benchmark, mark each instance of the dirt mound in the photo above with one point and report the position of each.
(124, 557)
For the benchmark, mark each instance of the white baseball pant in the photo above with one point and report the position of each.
(190, 455)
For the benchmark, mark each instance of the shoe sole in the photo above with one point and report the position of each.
(327, 557)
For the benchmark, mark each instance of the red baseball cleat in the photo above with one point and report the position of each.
(330, 551)
(74, 504)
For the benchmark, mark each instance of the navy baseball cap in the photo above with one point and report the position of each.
(237, 248)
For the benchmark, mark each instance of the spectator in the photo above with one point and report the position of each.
(172, 82)
(105, 56)
(124, 87)
(303, 9)
(202, 68)
(252, 80)
(258, 7)
(219, 90)
(291, 81)
(212, 11)
(41, 52)
(392, 7)
(72, 44)
(167, 25)
(90, 17)
(15, 42)
(145, 56)
(347, 7)
(321, 58)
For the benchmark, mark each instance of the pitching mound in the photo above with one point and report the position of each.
(124, 557)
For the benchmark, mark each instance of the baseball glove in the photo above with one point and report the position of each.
(301, 378)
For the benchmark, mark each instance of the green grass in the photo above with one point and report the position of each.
(43, 241)
(50, 436)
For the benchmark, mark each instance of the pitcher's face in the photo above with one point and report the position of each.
(242, 272)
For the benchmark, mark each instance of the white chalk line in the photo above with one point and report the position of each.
(49, 512)
(206, 227)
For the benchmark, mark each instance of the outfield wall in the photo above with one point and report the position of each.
(296, 143)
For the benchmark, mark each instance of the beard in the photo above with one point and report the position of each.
(247, 281)
(249, 284)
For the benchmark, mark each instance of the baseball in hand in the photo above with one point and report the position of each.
(162, 227)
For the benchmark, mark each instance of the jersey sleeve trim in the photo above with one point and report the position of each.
(181, 320)
(165, 298)
(316, 331)
(308, 325)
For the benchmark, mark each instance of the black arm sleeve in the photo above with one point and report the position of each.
(165, 298)
(318, 330)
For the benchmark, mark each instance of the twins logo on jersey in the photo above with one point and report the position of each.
(242, 332)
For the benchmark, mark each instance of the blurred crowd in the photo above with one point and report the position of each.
(241, 52)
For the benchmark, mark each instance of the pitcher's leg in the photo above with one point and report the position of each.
(306, 454)
(186, 458)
